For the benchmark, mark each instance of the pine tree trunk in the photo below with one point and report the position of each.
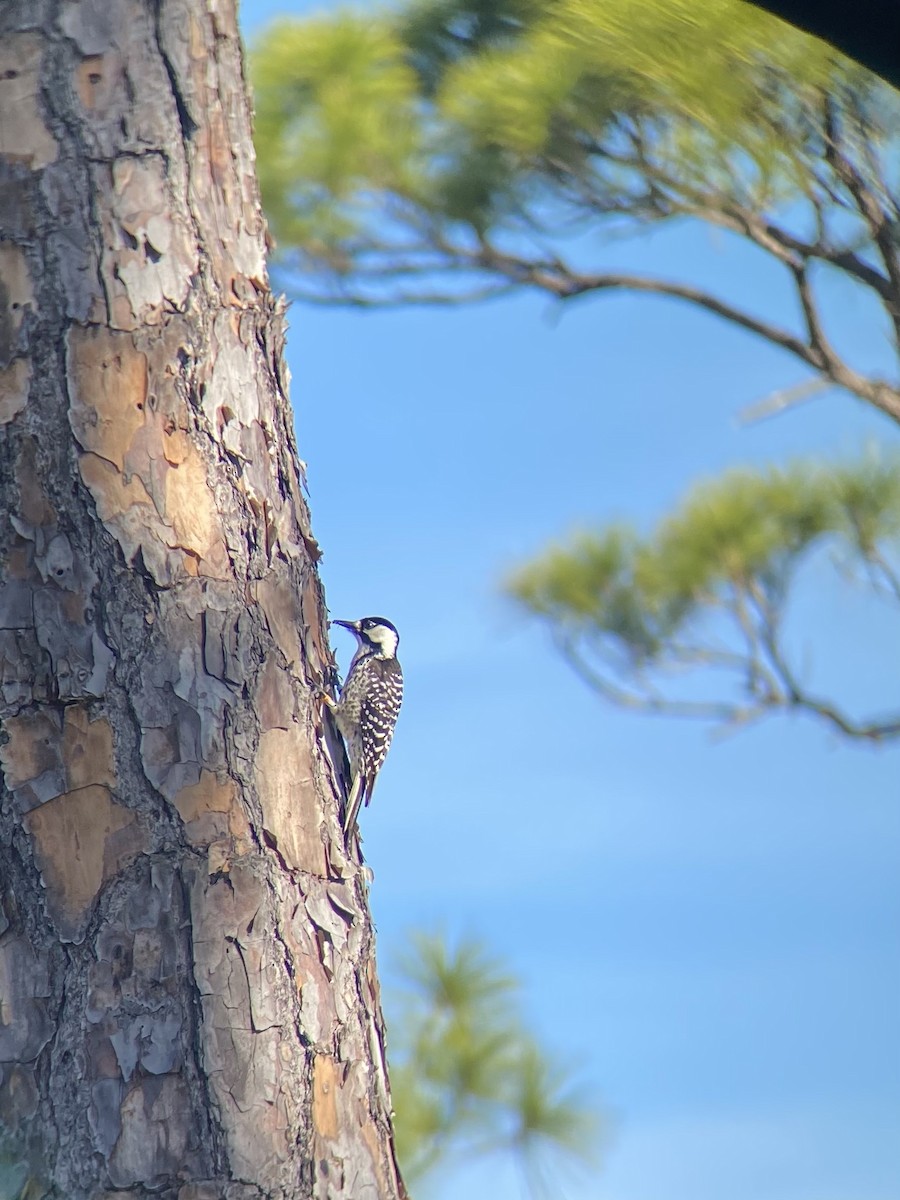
(188, 1000)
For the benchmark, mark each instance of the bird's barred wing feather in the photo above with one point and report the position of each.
(378, 717)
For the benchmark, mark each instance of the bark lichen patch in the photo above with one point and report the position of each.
(232, 396)
(149, 252)
(135, 1030)
(206, 696)
(81, 839)
(290, 807)
(24, 136)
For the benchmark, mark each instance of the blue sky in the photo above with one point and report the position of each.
(711, 931)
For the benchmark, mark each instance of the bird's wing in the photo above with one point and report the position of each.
(377, 720)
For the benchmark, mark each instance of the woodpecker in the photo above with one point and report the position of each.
(367, 708)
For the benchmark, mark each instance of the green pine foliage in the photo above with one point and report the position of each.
(689, 619)
(448, 150)
(467, 1077)
(474, 111)
(335, 117)
(449, 120)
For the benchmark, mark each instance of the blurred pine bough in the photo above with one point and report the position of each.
(446, 151)
(450, 150)
(468, 1079)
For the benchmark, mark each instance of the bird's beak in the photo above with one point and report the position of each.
(353, 626)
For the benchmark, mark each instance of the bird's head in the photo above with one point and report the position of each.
(375, 633)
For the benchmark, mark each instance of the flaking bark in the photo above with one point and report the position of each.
(188, 1000)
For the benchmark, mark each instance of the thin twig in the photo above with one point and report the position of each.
(777, 402)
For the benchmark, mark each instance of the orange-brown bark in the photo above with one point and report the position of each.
(186, 997)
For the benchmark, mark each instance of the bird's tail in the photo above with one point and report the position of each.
(354, 801)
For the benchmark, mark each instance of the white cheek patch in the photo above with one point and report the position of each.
(385, 639)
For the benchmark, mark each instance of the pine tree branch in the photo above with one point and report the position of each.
(769, 679)
(881, 225)
(790, 248)
(784, 398)
(440, 256)
(623, 698)
(761, 681)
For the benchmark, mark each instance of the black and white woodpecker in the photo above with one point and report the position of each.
(366, 710)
